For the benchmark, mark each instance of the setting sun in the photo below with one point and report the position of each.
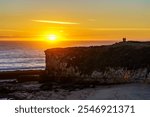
(52, 37)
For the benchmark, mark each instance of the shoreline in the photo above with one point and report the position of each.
(27, 86)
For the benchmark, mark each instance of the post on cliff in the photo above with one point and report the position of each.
(124, 39)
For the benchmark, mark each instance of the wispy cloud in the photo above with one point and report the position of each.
(55, 22)
(120, 29)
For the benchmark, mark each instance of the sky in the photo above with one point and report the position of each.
(75, 19)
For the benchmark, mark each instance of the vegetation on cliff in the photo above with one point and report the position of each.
(130, 55)
(121, 60)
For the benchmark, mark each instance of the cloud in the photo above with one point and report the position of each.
(55, 22)
(120, 29)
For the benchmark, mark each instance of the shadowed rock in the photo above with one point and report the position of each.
(117, 63)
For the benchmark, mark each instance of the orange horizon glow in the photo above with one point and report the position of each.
(78, 34)
(81, 34)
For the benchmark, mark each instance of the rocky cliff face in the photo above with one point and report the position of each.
(121, 62)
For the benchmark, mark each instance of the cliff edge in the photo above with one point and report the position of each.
(117, 63)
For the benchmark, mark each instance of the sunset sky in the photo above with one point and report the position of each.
(75, 19)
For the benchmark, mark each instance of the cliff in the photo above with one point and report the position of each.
(117, 63)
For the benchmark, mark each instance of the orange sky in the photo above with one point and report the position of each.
(75, 20)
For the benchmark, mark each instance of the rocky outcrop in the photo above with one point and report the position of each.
(117, 63)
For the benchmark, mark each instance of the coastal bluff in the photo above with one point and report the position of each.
(117, 63)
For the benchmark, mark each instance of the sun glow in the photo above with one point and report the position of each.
(52, 37)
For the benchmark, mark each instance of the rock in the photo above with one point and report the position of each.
(46, 86)
(117, 63)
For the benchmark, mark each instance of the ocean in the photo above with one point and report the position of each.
(29, 55)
